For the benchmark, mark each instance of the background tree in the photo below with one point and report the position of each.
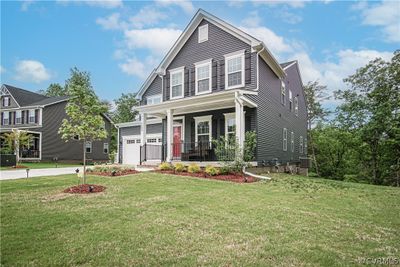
(123, 108)
(84, 120)
(17, 139)
(55, 89)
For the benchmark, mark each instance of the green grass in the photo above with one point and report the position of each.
(154, 219)
(42, 165)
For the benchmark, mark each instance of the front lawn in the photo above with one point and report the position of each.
(156, 219)
(42, 165)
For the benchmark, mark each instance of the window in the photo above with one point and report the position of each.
(290, 101)
(18, 117)
(6, 101)
(230, 126)
(305, 145)
(292, 141)
(234, 70)
(203, 77)
(301, 145)
(88, 147)
(152, 140)
(154, 99)
(296, 106)
(176, 83)
(203, 129)
(31, 116)
(105, 148)
(283, 93)
(284, 137)
(6, 118)
(203, 33)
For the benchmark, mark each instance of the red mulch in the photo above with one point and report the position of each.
(119, 173)
(20, 167)
(85, 189)
(222, 177)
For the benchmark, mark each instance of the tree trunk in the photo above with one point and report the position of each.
(313, 150)
(16, 144)
(84, 161)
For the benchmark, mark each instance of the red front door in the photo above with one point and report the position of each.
(177, 141)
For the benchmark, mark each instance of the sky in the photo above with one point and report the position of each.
(120, 42)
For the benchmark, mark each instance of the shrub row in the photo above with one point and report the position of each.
(194, 168)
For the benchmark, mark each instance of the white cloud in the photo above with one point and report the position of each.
(111, 22)
(252, 21)
(147, 16)
(288, 17)
(96, 3)
(291, 3)
(186, 5)
(137, 67)
(157, 40)
(2, 69)
(385, 15)
(31, 71)
(25, 4)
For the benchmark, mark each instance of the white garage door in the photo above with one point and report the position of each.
(131, 147)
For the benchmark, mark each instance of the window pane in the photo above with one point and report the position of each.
(231, 125)
(176, 78)
(235, 64)
(203, 138)
(176, 90)
(203, 72)
(203, 127)
(203, 85)
(234, 79)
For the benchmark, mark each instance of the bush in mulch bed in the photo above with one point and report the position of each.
(111, 170)
(236, 178)
(85, 189)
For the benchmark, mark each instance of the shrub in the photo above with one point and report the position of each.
(212, 171)
(194, 168)
(179, 167)
(165, 166)
(225, 169)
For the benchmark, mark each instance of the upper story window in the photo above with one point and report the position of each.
(301, 145)
(32, 118)
(284, 139)
(296, 106)
(283, 93)
(234, 70)
(292, 141)
(230, 126)
(6, 118)
(290, 100)
(203, 33)
(18, 117)
(176, 83)
(6, 101)
(88, 146)
(154, 99)
(203, 77)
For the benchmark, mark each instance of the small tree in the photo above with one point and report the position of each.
(17, 139)
(84, 110)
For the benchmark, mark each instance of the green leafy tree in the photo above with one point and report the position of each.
(123, 108)
(55, 89)
(16, 139)
(84, 120)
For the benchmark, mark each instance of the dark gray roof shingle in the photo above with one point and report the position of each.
(50, 100)
(24, 97)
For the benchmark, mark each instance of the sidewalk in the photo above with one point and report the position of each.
(18, 174)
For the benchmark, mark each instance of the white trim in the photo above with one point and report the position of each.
(180, 70)
(20, 116)
(108, 148)
(202, 39)
(301, 148)
(296, 106)
(137, 123)
(198, 65)
(290, 100)
(291, 64)
(3, 87)
(34, 116)
(228, 57)
(208, 119)
(8, 101)
(118, 145)
(284, 139)
(227, 117)
(91, 147)
(283, 93)
(4, 117)
(292, 141)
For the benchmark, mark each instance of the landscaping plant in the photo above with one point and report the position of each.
(179, 167)
(211, 170)
(165, 166)
(194, 168)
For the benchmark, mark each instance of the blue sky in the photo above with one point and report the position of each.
(119, 43)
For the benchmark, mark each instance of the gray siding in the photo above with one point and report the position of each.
(153, 89)
(24, 119)
(272, 116)
(13, 104)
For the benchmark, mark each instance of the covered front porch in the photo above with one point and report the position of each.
(191, 124)
(30, 151)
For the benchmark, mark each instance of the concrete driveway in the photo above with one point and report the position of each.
(18, 174)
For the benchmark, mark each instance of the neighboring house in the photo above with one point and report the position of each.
(217, 81)
(42, 116)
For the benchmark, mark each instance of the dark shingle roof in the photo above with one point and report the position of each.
(50, 100)
(284, 65)
(24, 97)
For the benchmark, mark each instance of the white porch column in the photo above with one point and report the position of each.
(239, 120)
(143, 127)
(170, 133)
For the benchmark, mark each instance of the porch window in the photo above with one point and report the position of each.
(292, 141)
(88, 146)
(6, 118)
(31, 116)
(155, 99)
(284, 139)
(203, 77)
(290, 100)
(234, 69)
(301, 144)
(296, 106)
(18, 117)
(105, 148)
(176, 83)
(230, 126)
(283, 93)
(203, 129)
(6, 101)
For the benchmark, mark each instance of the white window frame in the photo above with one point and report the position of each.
(208, 119)
(283, 93)
(4, 118)
(284, 139)
(180, 70)
(151, 99)
(90, 146)
(203, 33)
(7, 103)
(290, 100)
(32, 112)
(292, 141)
(227, 58)
(301, 145)
(18, 115)
(104, 148)
(296, 106)
(229, 116)
(198, 65)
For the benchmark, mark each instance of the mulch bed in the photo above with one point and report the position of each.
(223, 177)
(109, 174)
(85, 189)
(19, 167)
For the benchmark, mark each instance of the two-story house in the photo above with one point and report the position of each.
(41, 117)
(216, 81)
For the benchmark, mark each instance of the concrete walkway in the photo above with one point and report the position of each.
(18, 174)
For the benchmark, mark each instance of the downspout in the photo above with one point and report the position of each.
(162, 87)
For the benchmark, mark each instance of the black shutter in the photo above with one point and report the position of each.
(186, 82)
(14, 115)
(27, 116)
(36, 116)
(247, 67)
(214, 75)
(222, 75)
(22, 117)
(193, 81)
(214, 123)
(2, 101)
(2, 118)
(167, 77)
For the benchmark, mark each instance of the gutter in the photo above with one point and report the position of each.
(258, 67)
